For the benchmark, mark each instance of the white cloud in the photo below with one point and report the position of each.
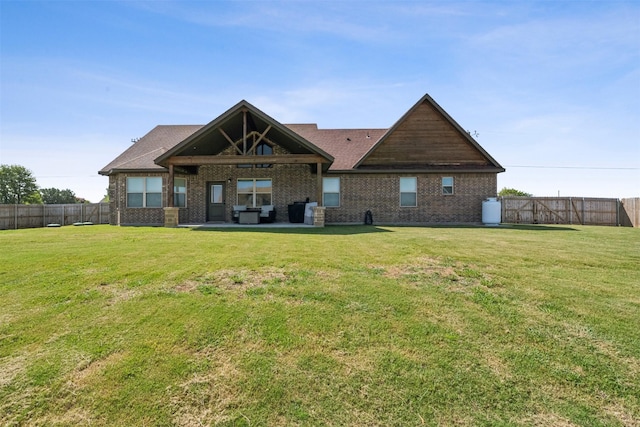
(555, 84)
(344, 20)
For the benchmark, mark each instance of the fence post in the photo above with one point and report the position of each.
(15, 215)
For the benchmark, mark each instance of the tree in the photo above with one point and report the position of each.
(54, 196)
(513, 192)
(17, 185)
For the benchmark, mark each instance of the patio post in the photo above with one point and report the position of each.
(319, 183)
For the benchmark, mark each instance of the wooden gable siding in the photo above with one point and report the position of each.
(424, 138)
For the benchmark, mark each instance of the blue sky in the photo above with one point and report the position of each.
(552, 88)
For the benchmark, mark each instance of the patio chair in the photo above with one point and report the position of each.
(268, 213)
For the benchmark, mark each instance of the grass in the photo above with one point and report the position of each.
(337, 326)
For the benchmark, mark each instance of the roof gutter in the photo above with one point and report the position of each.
(397, 171)
(115, 171)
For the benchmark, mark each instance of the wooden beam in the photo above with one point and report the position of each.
(319, 183)
(244, 131)
(170, 185)
(262, 135)
(230, 141)
(245, 160)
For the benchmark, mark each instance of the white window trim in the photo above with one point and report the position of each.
(144, 192)
(324, 192)
(453, 181)
(175, 192)
(415, 180)
(254, 192)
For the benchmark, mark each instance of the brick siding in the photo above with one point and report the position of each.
(425, 136)
(380, 193)
(133, 216)
(290, 183)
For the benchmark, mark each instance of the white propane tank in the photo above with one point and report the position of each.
(491, 211)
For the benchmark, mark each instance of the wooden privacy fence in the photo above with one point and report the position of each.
(630, 212)
(562, 210)
(32, 216)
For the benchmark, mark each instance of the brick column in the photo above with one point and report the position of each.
(318, 216)
(171, 216)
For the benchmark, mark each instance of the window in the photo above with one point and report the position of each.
(216, 193)
(447, 185)
(331, 192)
(144, 192)
(408, 192)
(180, 192)
(254, 192)
(262, 149)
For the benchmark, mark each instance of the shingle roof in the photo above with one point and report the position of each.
(141, 154)
(345, 149)
(347, 146)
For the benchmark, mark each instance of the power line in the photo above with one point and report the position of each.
(570, 167)
(68, 176)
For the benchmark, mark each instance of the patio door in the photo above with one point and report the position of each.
(215, 201)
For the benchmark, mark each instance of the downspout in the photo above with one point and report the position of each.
(118, 201)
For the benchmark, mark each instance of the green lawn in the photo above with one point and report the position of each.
(530, 325)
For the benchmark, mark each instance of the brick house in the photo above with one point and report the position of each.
(424, 169)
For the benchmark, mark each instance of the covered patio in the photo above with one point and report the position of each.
(245, 139)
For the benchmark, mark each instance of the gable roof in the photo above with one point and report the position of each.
(209, 140)
(427, 137)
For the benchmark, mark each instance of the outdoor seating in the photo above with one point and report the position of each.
(268, 213)
(236, 211)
